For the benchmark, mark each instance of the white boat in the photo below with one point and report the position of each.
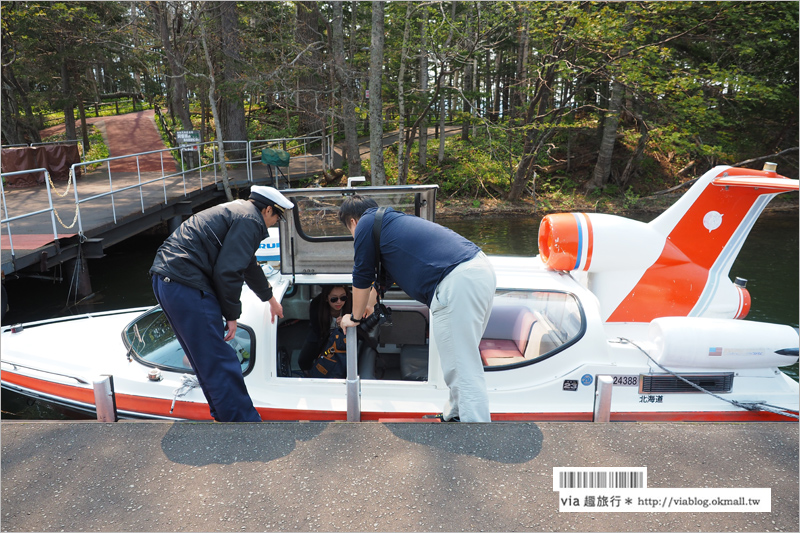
(648, 307)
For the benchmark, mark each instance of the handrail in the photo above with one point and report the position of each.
(17, 365)
(7, 220)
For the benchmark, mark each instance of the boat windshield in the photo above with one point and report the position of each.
(150, 339)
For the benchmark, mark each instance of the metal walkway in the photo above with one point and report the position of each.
(114, 199)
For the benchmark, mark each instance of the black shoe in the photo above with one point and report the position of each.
(440, 416)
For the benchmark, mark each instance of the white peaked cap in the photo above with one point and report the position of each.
(263, 194)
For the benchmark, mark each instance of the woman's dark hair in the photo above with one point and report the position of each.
(325, 307)
(353, 207)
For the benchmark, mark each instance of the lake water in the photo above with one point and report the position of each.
(768, 260)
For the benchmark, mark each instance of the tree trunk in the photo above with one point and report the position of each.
(135, 36)
(69, 102)
(10, 118)
(632, 167)
(234, 125)
(30, 125)
(377, 170)
(517, 95)
(346, 80)
(308, 33)
(84, 126)
(402, 162)
(498, 87)
(539, 114)
(179, 103)
(440, 156)
(212, 89)
(423, 88)
(467, 85)
(602, 169)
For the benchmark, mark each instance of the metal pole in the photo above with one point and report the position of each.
(353, 381)
(602, 399)
(104, 399)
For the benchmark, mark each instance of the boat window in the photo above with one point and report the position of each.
(150, 339)
(318, 215)
(530, 326)
(317, 243)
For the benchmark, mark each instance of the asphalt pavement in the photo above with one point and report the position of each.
(163, 476)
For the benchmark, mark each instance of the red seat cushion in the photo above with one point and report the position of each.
(496, 348)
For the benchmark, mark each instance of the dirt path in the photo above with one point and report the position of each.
(131, 133)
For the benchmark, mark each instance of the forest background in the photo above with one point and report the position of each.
(578, 105)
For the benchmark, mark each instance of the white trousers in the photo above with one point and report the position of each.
(459, 314)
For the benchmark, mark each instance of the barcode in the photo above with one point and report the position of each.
(599, 478)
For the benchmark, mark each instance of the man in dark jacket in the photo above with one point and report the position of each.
(443, 270)
(197, 278)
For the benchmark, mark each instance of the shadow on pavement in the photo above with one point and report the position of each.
(500, 442)
(200, 444)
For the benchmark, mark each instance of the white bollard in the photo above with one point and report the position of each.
(353, 380)
(602, 399)
(104, 400)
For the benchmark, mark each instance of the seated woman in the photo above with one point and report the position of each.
(325, 314)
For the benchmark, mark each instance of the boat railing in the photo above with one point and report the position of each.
(6, 220)
(82, 381)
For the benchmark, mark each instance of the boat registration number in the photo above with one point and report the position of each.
(625, 381)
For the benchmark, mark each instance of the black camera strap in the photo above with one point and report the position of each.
(376, 239)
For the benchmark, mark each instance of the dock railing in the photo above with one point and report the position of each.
(6, 220)
(298, 148)
(180, 182)
(143, 178)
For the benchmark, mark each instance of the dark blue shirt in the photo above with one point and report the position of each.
(417, 254)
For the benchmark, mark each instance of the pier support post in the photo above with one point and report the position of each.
(602, 399)
(104, 399)
(78, 269)
(173, 223)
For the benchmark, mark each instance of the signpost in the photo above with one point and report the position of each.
(188, 140)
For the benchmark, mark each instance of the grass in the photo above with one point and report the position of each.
(107, 109)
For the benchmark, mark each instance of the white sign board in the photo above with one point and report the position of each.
(188, 140)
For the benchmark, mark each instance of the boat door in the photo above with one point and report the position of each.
(317, 249)
(313, 241)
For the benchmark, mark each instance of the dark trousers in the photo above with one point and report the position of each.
(196, 319)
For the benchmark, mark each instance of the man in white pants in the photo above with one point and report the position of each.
(441, 269)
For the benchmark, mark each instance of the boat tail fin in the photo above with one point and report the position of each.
(678, 264)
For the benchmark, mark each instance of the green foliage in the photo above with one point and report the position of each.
(469, 169)
(714, 82)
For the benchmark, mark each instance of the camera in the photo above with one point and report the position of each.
(368, 329)
(381, 315)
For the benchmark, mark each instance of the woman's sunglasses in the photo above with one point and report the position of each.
(334, 299)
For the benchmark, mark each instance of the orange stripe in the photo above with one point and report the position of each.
(199, 411)
(590, 244)
(772, 186)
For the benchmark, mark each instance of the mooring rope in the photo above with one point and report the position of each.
(188, 382)
(749, 406)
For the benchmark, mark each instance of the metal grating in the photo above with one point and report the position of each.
(667, 383)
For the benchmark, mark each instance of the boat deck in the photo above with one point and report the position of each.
(163, 476)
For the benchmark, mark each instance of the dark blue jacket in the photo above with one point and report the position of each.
(417, 254)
